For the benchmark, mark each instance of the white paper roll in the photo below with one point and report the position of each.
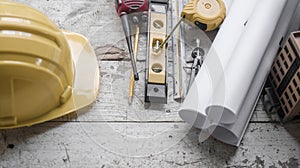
(233, 134)
(227, 5)
(245, 61)
(193, 108)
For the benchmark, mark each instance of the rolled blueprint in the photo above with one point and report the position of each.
(227, 5)
(245, 61)
(193, 108)
(232, 134)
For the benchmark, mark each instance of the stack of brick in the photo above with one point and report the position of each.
(285, 77)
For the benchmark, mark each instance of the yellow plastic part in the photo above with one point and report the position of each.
(157, 60)
(206, 14)
(45, 72)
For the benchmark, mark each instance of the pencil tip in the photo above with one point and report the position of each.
(130, 100)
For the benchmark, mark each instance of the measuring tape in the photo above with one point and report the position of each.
(206, 14)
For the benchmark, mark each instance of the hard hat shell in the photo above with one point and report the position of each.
(41, 68)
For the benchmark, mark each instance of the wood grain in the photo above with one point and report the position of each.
(59, 144)
(110, 133)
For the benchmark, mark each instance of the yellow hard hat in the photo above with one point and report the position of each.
(45, 72)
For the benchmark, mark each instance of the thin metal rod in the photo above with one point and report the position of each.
(126, 28)
(131, 84)
(171, 33)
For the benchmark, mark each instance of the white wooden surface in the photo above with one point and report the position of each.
(109, 133)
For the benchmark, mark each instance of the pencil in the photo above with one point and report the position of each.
(132, 81)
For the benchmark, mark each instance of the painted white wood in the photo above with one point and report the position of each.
(70, 141)
(74, 144)
(112, 104)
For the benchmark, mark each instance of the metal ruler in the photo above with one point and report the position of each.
(178, 45)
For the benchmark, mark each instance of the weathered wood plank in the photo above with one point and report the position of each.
(81, 141)
(112, 103)
(98, 22)
(59, 144)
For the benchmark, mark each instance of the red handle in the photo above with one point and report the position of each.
(131, 6)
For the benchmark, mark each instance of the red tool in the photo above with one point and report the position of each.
(125, 7)
(131, 6)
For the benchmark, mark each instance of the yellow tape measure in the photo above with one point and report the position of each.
(206, 14)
